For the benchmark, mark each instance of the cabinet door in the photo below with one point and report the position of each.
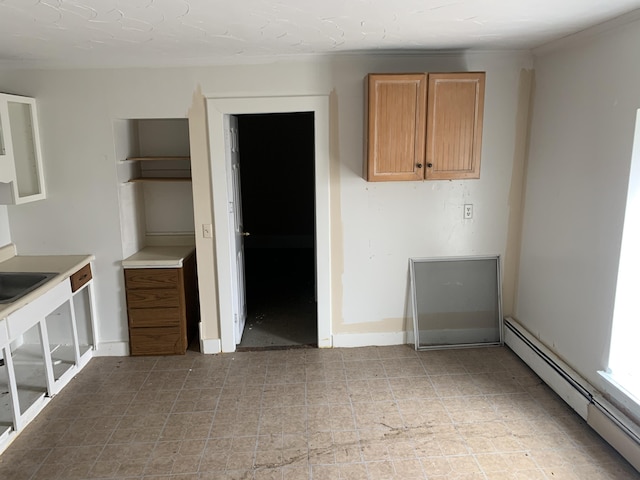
(7, 167)
(20, 151)
(454, 125)
(396, 127)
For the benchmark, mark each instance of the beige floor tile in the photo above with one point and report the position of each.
(408, 468)
(240, 460)
(381, 470)
(214, 461)
(186, 463)
(269, 458)
(353, 471)
(348, 454)
(131, 468)
(372, 413)
(375, 451)
(325, 472)
(535, 474)
(268, 474)
(296, 472)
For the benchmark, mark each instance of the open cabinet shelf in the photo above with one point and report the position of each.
(161, 168)
(30, 387)
(154, 182)
(158, 158)
(160, 179)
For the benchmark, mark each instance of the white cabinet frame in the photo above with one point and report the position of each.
(21, 172)
(34, 314)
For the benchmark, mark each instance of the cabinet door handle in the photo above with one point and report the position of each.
(418, 165)
(429, 165)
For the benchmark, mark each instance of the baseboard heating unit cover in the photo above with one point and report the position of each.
(610, 423)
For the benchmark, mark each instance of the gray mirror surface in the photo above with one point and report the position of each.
(456, 301)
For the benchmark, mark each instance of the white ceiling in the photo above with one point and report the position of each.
(89, 33)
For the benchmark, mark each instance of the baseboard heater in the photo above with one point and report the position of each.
(610, 423)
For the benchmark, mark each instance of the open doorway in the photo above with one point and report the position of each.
(277, 184)
(221, 113)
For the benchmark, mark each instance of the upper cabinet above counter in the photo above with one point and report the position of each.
(21, 177)
(424, 126)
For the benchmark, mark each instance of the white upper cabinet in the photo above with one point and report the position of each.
(21, 177)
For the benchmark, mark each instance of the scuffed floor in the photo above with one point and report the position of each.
(364, 413)
(281, 307)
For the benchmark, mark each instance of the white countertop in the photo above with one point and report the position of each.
(63, 265)
(159, 257)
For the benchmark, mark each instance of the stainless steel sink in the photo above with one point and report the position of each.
(14, 285)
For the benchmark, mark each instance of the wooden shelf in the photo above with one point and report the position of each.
(143, 159)
(170, 174)
(161, 179)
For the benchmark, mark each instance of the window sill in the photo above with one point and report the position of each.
(621, 395)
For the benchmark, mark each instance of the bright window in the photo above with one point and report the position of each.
(624, 356)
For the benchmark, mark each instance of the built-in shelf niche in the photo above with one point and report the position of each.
(154, 174)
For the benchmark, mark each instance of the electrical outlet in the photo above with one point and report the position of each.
(468, 211)
(207, 231)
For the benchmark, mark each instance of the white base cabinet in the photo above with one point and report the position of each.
(44, 345)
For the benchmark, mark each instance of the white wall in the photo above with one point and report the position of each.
(587, 92)
(384, 224)
(375, 227)
(5, 232)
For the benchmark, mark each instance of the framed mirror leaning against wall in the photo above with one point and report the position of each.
(456, 301)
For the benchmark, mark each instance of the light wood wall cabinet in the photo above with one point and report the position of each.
(162, 305)
(425, 126)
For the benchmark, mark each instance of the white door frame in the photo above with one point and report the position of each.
(217, 108)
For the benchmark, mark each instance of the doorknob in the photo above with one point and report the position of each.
(245, 234)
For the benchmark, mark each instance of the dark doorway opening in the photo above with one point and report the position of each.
(277, 175)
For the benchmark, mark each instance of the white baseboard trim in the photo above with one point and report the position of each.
(349, 340)
(621, 432)
(210, 345)
(112, 349)
(571, 387)
(616, 434)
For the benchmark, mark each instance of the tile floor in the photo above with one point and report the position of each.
(363, 413)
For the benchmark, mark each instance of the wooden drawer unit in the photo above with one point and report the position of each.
(151, 317)
(153, 278)
(156, 341)
(148, 298)
(163, 308)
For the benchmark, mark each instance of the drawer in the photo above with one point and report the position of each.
(81, 277)
(145, 298)
(151, 278)
(154, 317)
(156, 341)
